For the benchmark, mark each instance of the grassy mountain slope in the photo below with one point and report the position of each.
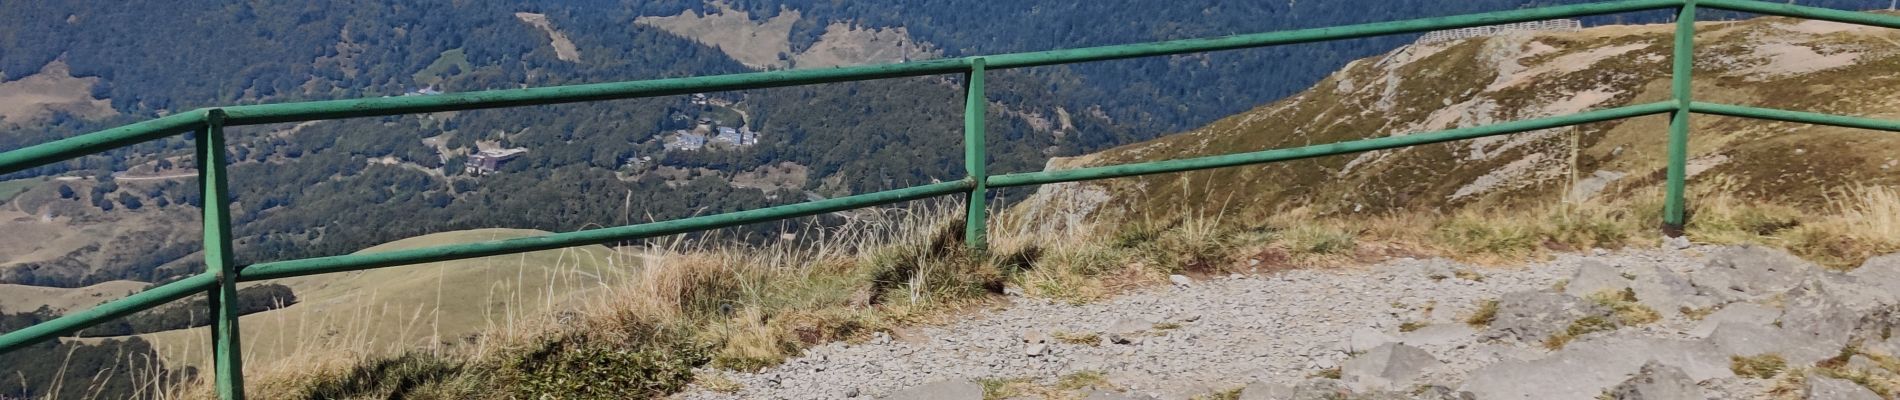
(414, 308)
(1772, 62)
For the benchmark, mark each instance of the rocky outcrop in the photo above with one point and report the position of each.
(1392, 332)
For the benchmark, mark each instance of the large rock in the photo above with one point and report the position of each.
(1656, 381)
(1594, 276)
(1532, 316)
(1825, 388)
(1745, 339)
(1390, 366)
(1317, 389)
(1440, 335)
(1666, 291)
(1585, 369)
(1749, 273)
(957, 389)
(1814, 317)
(1107, 395)
(1745, 313)
(1882, 272)
(1364, 339)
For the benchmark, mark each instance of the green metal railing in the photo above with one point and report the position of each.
(223, 273)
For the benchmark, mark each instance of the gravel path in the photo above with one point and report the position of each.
(1210, 335)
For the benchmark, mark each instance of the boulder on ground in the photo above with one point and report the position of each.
(1825, 388)
(1595, 276)
(1745, 313)
(955, 389)
(1666, 291)
(1108, 395)
(1389, 366)
(1656, 381)
(1316, 389)
(1749, 273)
(1533, 316)
(1743, 339)
(1364, 339)
(1882, 271)
(1585, 369)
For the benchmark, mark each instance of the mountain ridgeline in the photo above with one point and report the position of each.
(1769, 62)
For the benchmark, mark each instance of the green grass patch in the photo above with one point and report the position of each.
(452, 62)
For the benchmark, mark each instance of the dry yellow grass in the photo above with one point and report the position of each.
(53, 89)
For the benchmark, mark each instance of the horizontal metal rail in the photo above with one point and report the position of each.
(101, 141)
(1329, 149)
(1794, 116)
(1799, 11)
(210, 121)
(383, 106)
(354, 262)
(144, 300)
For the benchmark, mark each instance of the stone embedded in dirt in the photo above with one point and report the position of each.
(1584, 369)
(1749, 273)
(1033, 337)
(1440, 335)
(1656, 381)
(1181, 280)
(1745, 313)
(1126, 331)
(1744, 339)
(1364, 339)
(1387, 367)
(1594, 276)
(1036, 349)
(958, 389)
(1882, 271)
(1532, 316)
(1315, 389)
(1825, 388)
(1815, 318)
(1108, 395)
(1675, 243)
(1262, 390)
(1666, 291)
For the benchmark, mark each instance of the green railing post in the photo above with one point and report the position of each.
(975, 159)
(1679, 84)
(218, 257)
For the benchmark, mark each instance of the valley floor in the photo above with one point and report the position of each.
(1403, 328)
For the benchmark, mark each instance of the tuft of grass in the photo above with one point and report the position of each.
(1625, 310)
(1475, 234)
(1763, 366)
(1003, 388)
(1409, 326)
(1487, 311)
(718, 383)
(1317, 241)
(1696, 314)
(1468, 274)
(1088, 338)
(1229, 394)
(1329, 373)
(1580, 327)
(1083, 380)
(1162, 326)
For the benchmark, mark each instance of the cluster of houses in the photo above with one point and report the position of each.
(705, 134)
(488, 161)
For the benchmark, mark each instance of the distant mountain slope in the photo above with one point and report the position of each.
(1772, 62)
